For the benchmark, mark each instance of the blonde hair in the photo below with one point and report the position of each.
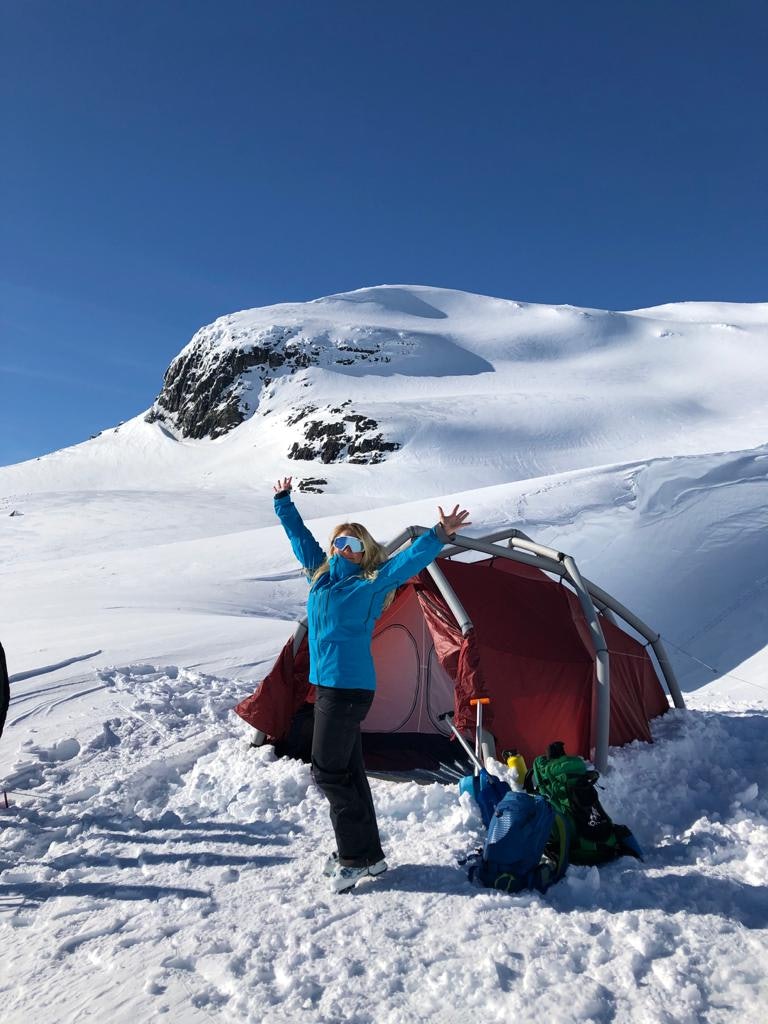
(374, 555)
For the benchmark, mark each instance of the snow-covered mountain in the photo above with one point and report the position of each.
(297, 360)
(440, 390)
(144, 585)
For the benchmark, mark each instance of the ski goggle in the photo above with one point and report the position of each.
(353, 543)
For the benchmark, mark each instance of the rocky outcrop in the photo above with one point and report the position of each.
(229, 371)
(218, 380)
(340, 435)
(216, 383)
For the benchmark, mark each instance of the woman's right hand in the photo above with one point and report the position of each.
(453, 521)
(283, 485)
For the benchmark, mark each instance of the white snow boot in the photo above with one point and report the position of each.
(344, 879)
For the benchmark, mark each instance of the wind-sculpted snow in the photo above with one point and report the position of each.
(181, 866)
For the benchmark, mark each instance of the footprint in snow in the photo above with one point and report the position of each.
(64, 750)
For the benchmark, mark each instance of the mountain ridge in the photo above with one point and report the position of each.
(359, 391)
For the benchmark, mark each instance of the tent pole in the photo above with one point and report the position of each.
(644, 630)
(449, 595)
(437, 574)
(669, 673)
(606, 611)
(528, 558)
(523, 542)
(547, 563)
(299, 633)
(416, 531)
(487, 739)
(401, 539)
(602, 665)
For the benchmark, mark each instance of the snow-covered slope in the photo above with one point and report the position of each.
(196, 578)
(151, 865)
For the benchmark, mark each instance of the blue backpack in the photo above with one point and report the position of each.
(526, 846)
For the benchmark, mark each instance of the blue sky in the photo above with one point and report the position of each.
(166, 162)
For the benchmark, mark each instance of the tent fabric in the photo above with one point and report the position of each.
(534, 666)
(529, 651)
(281, 694)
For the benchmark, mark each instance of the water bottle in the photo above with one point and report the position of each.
(516, 762)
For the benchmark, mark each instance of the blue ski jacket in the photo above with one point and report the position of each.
(343, 606)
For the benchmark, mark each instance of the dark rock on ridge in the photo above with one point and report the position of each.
(342, 437)
(312, 484)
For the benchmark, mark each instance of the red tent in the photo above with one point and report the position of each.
(529, 650)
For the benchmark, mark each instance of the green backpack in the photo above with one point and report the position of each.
(569, 785)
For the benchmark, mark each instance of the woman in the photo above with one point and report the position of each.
(350, 587)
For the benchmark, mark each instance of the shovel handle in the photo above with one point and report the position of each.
(480, 700)
(467, 749)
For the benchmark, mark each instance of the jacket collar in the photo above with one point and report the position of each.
(341, 568)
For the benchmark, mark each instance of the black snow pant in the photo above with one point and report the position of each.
(338, 769)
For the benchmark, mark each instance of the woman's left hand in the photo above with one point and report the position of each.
(455, 520)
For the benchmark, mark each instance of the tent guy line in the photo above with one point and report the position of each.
(712, 668)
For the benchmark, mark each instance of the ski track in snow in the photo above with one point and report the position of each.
(45, 669)
(166, 847)
(46, 706)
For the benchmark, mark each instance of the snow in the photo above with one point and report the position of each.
(154, 866)
(179, 853)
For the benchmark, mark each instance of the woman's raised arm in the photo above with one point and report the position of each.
(304, 545)
(422, 551)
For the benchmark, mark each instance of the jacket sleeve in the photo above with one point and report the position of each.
(416, 557)
(304, 545)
